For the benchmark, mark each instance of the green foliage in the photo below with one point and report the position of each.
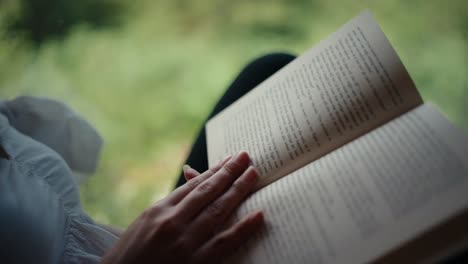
(40, 20)
(148, 84)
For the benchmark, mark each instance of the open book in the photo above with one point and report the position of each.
(355, 167)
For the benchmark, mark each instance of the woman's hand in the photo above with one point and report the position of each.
(185, 226)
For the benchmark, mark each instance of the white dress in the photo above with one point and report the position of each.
(41, 218)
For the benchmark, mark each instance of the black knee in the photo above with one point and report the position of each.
(258, 70)
(263, 67)
(252, 75)
(273, 61)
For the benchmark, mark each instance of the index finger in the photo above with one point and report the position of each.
(178, 194)
(209, 190)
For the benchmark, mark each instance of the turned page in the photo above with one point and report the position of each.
(370, 196)
(348, 84)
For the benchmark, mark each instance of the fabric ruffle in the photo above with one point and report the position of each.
(86, 242)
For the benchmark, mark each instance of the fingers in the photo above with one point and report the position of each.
(178, 194)
(189, 173)
(228, 241)
(217, 212)
(210, 189)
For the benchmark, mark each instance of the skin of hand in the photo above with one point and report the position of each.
(187, 225)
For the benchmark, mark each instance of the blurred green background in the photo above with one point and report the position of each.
(147, 72)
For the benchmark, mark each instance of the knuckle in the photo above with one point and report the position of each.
(151, 212)
(232, 168)
(215, 210)
(240, 187)
(213, 170)
(206, 187)
(146, 213)
(192, 183)
(168, 226)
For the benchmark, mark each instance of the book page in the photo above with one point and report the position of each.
(348, 84)
(366, 198)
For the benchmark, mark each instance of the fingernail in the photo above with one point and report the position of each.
(185, 167)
